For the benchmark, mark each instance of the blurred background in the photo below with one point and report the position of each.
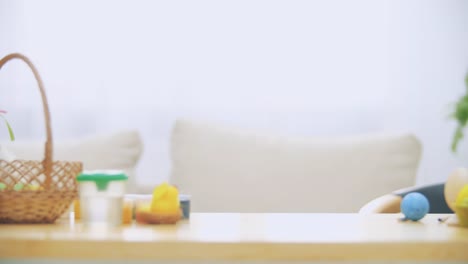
(293, 68)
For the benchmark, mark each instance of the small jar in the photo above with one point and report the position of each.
(184, 200)
(101, 197)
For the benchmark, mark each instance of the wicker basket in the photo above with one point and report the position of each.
(54, 183)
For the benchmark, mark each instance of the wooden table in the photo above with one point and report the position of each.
(236, 237)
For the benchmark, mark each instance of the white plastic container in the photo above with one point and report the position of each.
(101, 197)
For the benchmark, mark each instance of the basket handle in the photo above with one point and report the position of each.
(47, 162)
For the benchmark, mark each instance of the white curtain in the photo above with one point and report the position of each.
(295, 68)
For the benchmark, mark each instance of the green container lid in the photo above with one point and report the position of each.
(102, 178)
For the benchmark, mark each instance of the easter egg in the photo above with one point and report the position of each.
(455, 182)
(414, 206)
(33, 187)
(462, 198)
(18, 187)
(462, 206)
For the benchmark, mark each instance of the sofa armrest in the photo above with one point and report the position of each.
(389, 203)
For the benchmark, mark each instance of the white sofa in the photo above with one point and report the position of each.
(230, 170)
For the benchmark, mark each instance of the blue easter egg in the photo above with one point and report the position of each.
(414, 206)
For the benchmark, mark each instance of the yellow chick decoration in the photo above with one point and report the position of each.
(165, 199)
(164, 207)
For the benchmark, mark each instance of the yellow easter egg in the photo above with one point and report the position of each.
(454, 184)
(33, 187)
(462, 196)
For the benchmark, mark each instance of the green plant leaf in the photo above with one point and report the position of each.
(10, 130)
(460, 114)
(457, 137)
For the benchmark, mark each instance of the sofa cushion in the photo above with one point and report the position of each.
(229, 170)
(119, 151)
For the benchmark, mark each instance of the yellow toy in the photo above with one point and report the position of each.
(165, 200)
(164, 207)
